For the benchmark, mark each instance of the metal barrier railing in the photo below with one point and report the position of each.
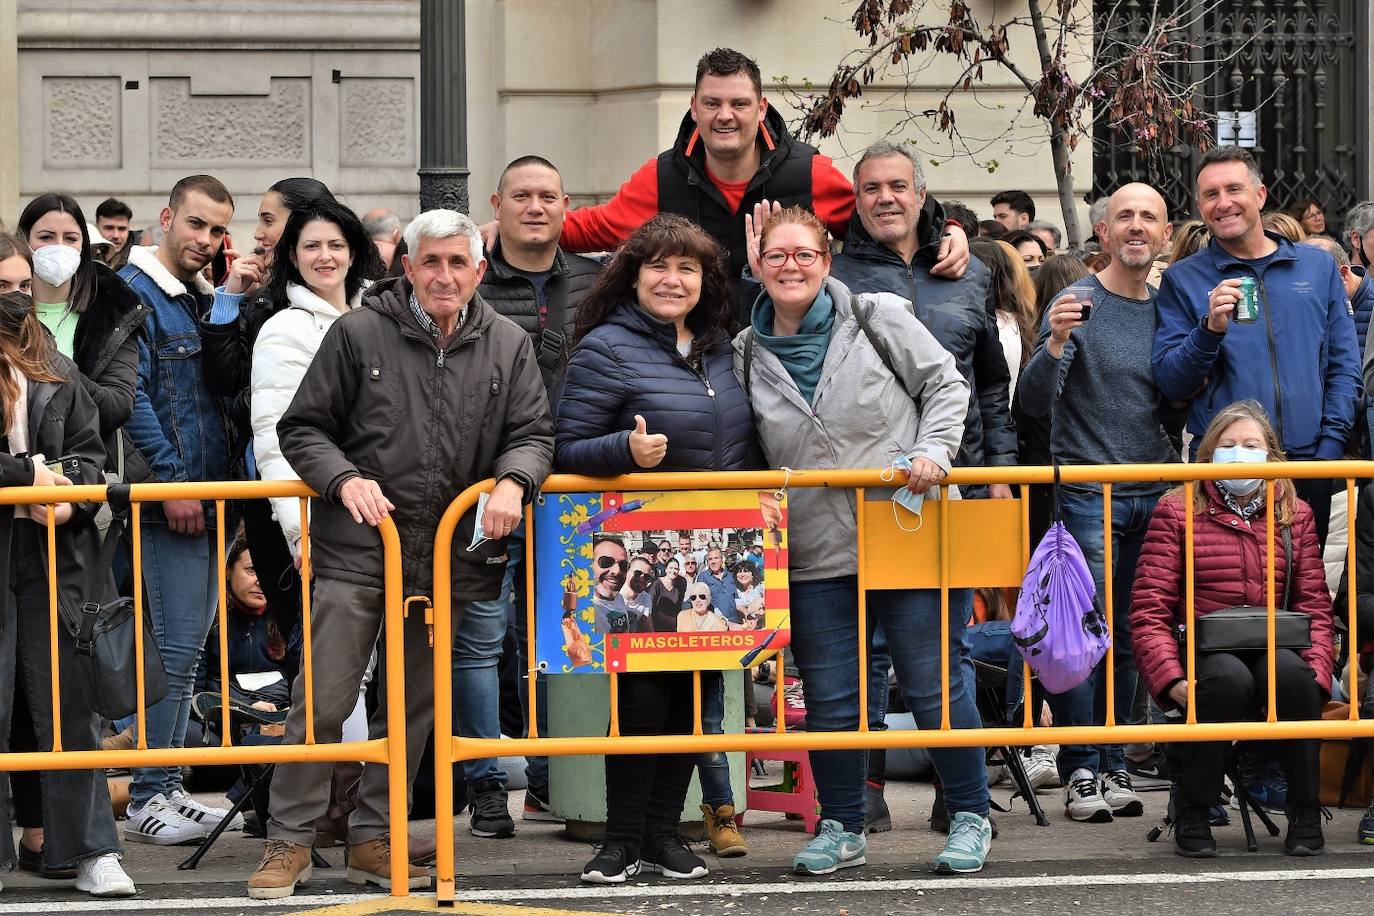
(390, 750)
(959, 568)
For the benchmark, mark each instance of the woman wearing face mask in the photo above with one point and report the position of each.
(49, 417)
(825, 396)
(1230, 543)
(649, 386)
(321, 265)
(95, 319)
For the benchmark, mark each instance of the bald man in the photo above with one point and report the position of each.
(384, 228)
(1091, 368)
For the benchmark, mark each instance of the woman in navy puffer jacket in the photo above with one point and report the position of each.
(651, 386)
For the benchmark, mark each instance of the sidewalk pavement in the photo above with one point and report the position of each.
(539, 849)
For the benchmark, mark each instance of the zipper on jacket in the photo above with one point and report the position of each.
(1274, 364)
(440, 361)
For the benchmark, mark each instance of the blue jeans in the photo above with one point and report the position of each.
(713, 767)
(825, 643)
(476, 683)
(182, 587)
(513, 593)
(1086, 704)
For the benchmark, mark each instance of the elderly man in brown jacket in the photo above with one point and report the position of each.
(413, 397)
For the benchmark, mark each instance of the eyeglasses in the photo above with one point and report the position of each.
(701, 597)
(608, 562)
(805, 257)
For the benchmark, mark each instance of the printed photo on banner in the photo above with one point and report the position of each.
(660, 581)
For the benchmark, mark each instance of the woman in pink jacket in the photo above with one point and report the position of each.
(1230, 569)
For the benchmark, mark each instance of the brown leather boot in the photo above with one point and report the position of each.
(284, 865)
(723, 833)
(369, 862)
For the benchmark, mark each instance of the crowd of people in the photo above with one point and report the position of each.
(759, 309)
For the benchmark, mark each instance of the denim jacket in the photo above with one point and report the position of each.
(177, 424)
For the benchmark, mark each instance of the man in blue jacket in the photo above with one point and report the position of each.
(1299, 359)
(179, 429)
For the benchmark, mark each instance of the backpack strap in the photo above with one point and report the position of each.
(1287, 568)
(876, 342)
(748, 358)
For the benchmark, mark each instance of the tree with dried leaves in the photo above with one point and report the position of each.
(1146, 86)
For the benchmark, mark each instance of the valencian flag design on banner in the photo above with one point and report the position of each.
(660, 581)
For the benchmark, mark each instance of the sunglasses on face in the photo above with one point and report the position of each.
(608, 562)
(701, 597)
(664, 550)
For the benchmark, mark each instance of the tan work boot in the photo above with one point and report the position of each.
(284, 865)
(369, 862)
(721, 830)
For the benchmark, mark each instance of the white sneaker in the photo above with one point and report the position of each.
(1083, 799)
(1120, 794)
(201, 813)
(102, 876)
(161, 823)
(1041, 770)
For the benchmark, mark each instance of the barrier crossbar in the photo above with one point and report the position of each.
(389, 750)
(458, 748)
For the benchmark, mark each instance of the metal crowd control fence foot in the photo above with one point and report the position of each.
(389, 751)
(961, 544)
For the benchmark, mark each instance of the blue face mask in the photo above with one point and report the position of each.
(912, 502)
(1239, 454)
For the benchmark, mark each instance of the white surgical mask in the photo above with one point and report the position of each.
(56, 264)
(1239, 454)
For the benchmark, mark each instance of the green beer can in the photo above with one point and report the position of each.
(1247, 309)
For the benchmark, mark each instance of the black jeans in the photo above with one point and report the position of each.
(75, 803)
(1234, 687)
(1317, 494)
(645, 792)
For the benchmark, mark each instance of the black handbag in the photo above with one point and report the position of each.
(104, 632)
(1245, 628)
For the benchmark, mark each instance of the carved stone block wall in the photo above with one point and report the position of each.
(210, 130)
(82, 127)
(376, 123)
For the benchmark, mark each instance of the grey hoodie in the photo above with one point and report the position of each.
(861, 417)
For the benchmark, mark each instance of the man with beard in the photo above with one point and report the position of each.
(610, 563)
(1091, 371)
(639, 592)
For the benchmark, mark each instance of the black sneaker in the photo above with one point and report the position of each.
(1366, 834)
(1304, 837)
(537, 804)
(669, 856)
(877, 819)
(490, 817)
(612, 864)
(1151, 773)
(1192, 833)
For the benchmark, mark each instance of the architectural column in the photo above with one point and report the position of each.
(9, 112)
(443, 106)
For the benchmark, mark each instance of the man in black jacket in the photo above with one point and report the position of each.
(536, 284)
(424, 390)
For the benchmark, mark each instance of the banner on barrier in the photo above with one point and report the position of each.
(660, 581)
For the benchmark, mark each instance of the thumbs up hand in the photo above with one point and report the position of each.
(646, 449)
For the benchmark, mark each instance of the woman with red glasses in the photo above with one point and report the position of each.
(650, 386)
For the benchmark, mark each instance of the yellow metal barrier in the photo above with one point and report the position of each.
(390, 751)
(971, 543)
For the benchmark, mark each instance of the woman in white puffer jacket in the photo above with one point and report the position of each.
(319, 272)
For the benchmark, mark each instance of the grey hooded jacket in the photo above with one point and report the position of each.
(861, 417)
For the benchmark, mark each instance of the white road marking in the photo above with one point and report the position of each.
(694, 889)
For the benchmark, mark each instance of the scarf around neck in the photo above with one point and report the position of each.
(802, 353)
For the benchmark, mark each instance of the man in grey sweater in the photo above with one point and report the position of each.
(1091, 375)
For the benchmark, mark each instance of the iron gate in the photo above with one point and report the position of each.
(1303, 73)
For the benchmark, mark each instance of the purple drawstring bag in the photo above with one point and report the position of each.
(1059, 628)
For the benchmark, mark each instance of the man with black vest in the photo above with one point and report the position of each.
(732, 152)
(536, 284)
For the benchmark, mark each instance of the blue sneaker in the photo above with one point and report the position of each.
(832, 848)
(970, 839)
